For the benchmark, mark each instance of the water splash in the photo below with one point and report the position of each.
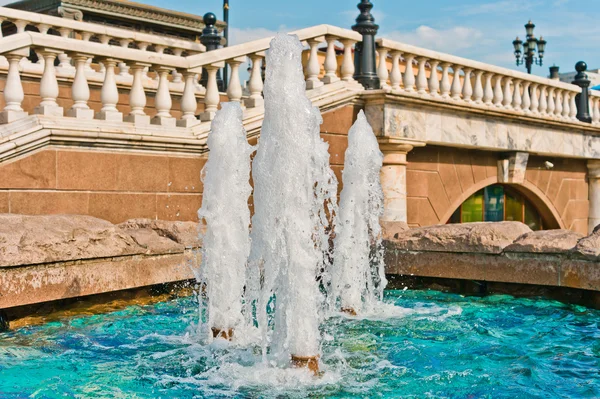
(294, 193)
(358, 276)
(226, 243)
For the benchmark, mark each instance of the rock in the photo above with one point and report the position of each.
(49, 238)
(184, 233)
(589, 247)
(391, 230)
(481, 237)
(545, 241)
(153, 243)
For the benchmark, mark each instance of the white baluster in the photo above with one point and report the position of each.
(507, 92)
(64, 59)
(558, 108)
(163, 101)
(566, 105)
(382, 71)
(445, 83)
(456, 84)
(312, 66)
(596, 111)
(434, 83)
(347, 63)
(478, 90)
(211, 98)
(543, 100)
(188, 100)
(49, 86)
(498, 95)
(109, 95)
(467, 90)
(86, 36)
(234, 89)
(13, 90)
(534, 99)
(80, 91)
(572, 108)
(516, 100)
(488, 89)
(330, 61)
(526, 98)
(143, 46)
(43, 28)
(551, 103)
(409, 73)
(123, 68)
(396, 75)
(255, 84)
(137, 96)
(421, 76)
(104, 39)
(176, 75)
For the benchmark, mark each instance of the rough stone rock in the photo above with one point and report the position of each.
(154, 243)
(391, 230)
(545, 241)
(50, 238)
(184, 233)
(481, 237)
(589, 247)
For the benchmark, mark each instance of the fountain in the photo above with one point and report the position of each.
(226, 243)
(358, 275)
(294, 194)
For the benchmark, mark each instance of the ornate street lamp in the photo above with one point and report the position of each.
(525, 51)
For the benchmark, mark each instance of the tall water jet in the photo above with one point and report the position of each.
(358, 276)
(226, 240)
(294, 193)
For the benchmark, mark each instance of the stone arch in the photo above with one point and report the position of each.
(549, 214)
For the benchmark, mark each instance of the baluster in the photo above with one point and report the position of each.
(330, 63)
(566, 105)
(456, 84)
(123, 68)
(551, 104)
(86, 36)
(43, 29)
(80, 91)
(143, 46)
(347, 63)
(488, 90)
(104, 39)
(211, 98)
(396, 75)
(434, 83)
(498, 95)
(421, 76)
(534, 99)
(543, 100)
(445, 83)
(312, 66)
(409, 73)
(526, 98)
(572, 107)
(3, 60)
(63, 58)
(558, 108)
(234, 90)
(507, 93)
(13, 90)
(467, 90)
(109, 93)
(596, 111)
(137, 96)
(176, 75)
(188, 100)
(49, 86)
(517, 99)
(382, 71)
(163, 101)
(478, 91)
(255, 84)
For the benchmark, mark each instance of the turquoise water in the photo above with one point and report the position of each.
(431, 345)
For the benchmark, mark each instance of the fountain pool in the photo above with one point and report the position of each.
(429, 345)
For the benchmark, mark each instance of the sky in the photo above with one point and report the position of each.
(482, 30)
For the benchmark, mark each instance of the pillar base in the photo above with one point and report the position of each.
(80, 113)
(113, 116)
(252, 102)
(207, 116)
(138, 119)
(48, 110)
(313, 84)
(309, 362)
(225, 333)
(11, 116)
(188, 122)
(166, 121)
(349, 311)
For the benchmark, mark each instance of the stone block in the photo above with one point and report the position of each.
(49, 110)
(178, 206)
(207, 116)
(252, 102)
(113, 116)
(545, 241)
(38, 170)
(81, 113)
(86, 170)
(589, 247)
(48, 202)
(118, 207)
(11, 116)
(138, 120)
(188, 122)
(166, 121)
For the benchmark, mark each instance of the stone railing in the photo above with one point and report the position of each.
(462, 81)
(595, 107)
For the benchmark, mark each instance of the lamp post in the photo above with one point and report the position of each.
(526, 53)
(364, 51)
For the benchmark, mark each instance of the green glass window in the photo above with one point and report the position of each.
(497, 203)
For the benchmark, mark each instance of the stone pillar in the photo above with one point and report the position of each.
(393, 178)
(594, 196)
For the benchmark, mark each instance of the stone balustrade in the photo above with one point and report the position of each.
(428, 74)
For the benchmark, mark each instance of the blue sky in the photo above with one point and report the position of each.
(476, 29)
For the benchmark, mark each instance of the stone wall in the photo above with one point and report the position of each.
(439, 179)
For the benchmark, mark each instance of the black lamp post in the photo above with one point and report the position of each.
(364, 52)
(211, 40)
(526, 55)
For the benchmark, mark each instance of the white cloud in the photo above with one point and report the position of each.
(445, 40)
